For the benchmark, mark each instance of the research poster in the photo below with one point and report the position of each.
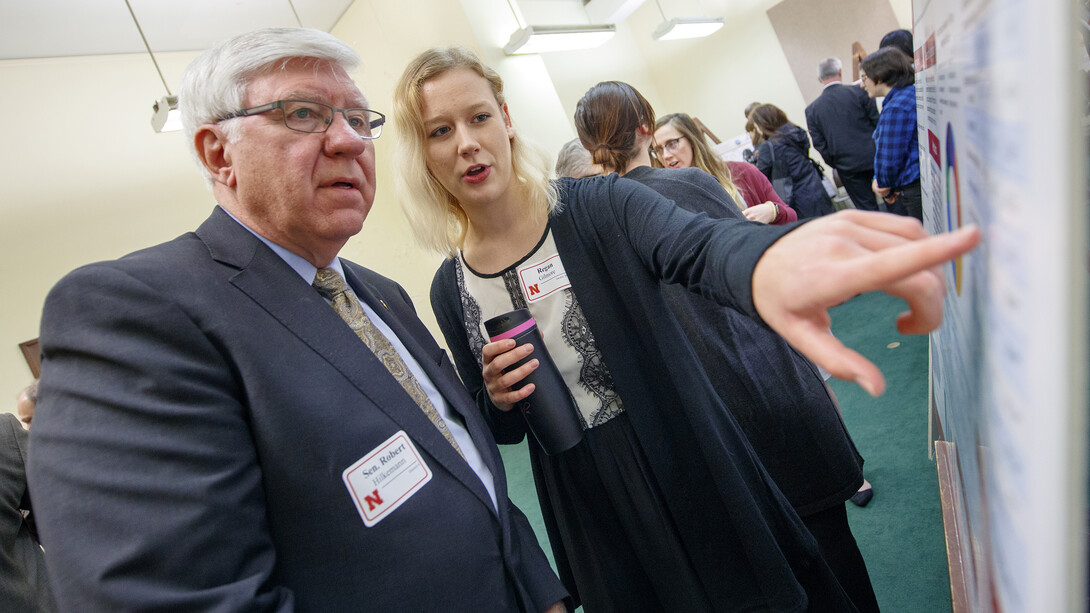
(998, 134)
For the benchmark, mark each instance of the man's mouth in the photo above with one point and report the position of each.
(344, 183)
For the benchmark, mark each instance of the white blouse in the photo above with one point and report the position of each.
(538, 282)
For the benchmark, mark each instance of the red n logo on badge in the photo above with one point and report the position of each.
(372, 500)
(533, 289)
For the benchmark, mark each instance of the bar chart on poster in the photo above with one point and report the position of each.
(1003, 146)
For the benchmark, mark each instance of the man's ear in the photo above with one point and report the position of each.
(211, 146)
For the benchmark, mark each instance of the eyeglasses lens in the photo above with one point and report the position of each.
(316, 117)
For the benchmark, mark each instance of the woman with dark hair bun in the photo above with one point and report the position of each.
(778, 397)
(784, 157)
(888, 72)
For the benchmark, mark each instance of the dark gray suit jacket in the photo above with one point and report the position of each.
(24, 586)
(199, 402)
(841, 123)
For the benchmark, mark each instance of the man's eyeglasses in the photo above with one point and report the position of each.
(669, 146)
(315, 117)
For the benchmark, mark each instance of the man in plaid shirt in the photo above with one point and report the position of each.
(889, 73)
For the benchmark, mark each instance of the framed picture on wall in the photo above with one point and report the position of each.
(33, 355)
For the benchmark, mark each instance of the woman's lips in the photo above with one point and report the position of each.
(476, 174)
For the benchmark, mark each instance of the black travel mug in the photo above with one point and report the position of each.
(549, 410)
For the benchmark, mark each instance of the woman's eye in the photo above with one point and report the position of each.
(439, 131)
(481, 117)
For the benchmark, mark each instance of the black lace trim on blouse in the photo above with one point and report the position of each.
(594, 377)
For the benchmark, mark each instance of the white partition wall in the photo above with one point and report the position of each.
(1002, 146)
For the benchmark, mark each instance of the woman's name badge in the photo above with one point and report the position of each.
(543, 278)
(384, 479)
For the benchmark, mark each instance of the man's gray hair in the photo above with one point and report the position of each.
(215, 83)
(829, 68)
(31, 392)
(574, 160)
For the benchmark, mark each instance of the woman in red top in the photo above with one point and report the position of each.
(680, 144)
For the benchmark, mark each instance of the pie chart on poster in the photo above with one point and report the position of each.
(953, 200)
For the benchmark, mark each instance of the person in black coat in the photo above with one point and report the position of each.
(784, 157)
(657, 513)
(24, 585)
(841, 123)
(777, 396)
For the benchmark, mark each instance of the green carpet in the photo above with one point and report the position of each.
(900, 532)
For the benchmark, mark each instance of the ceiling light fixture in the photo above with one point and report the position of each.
(543, 39)
(687, 28)
(683, 27)
(166, 117)
(165, 114)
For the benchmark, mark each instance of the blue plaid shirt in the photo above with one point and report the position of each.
(897, 153)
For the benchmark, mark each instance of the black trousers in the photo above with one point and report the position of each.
(858, 186)
(909, 201)
(838, 547)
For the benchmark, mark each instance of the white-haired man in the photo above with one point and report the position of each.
(214, 437)
(841, 123)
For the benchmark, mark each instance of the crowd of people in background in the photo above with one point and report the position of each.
(242, 420)
(873, 156)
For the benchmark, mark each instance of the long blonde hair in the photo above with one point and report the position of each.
(434, 214)
(703, 156)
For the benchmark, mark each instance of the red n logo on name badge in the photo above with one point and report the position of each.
(533, 289)
(372, 500)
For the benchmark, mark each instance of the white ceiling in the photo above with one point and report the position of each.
(57, 28)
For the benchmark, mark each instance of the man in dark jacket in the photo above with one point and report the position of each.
(24, 585)
(841, 123)
(242, 420)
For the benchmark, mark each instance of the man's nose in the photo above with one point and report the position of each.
(342, 137)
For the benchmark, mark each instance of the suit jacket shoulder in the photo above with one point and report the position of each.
(214, 400)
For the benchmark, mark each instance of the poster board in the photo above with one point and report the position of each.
(1002, 145)
(732, 149)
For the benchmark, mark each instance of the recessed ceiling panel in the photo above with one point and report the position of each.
(57, 28)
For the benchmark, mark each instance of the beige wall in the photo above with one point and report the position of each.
(84, 178)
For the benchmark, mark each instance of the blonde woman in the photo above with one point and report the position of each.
(679, 143)
(662, 506)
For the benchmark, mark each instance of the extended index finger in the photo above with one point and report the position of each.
(894, 264)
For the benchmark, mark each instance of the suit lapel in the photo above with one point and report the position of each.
(275, 287)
